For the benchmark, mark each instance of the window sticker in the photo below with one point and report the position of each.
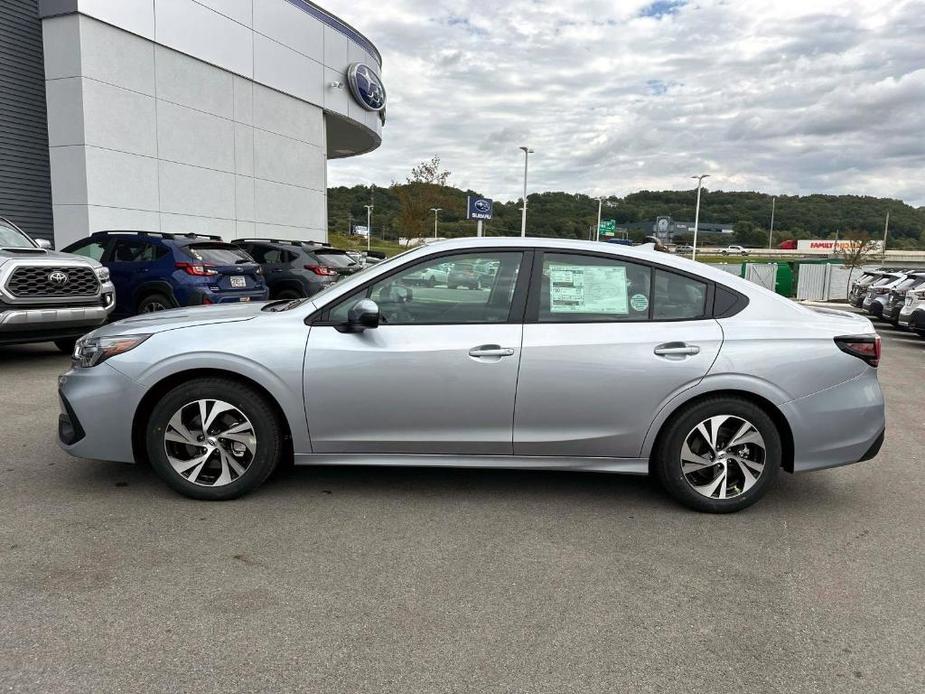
(639, 302)
(587, 289)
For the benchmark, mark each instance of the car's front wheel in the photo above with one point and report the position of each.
(213, 439)
(719, 455)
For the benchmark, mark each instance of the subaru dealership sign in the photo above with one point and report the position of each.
(478, 208)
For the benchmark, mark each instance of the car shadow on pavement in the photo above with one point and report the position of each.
(24, 355)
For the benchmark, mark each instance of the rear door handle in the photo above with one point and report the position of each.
(491, 351)
(676, 349)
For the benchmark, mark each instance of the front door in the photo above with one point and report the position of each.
(606, 344)
(437, 376)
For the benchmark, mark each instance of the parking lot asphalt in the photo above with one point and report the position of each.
(410, 580)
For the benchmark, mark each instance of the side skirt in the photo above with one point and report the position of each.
(630, 466)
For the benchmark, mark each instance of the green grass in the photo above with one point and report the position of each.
(358, 243)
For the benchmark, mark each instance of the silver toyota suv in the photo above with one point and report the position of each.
(48, 296)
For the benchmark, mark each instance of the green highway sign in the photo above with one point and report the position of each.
(608, 227)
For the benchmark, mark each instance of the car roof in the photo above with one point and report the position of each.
(185, 239)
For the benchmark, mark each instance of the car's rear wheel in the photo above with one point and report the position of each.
(154, 302)
(213, 439)
(719, 455)
(288, 294)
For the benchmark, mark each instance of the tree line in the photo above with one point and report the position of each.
(403, 209)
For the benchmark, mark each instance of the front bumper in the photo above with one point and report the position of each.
(21, 323)
(98, 406)
(837, 426)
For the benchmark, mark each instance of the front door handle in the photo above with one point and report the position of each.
(676, 349)
(491, 351)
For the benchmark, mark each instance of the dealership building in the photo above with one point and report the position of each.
(205, 116)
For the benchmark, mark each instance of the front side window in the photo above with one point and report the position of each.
(580, 288)
(473, 288)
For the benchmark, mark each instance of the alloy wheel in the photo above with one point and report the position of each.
(210, 443)
(723, 457)
(153, 306)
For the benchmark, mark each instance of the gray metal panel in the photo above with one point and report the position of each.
(25, 180)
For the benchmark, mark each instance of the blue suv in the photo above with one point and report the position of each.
(153, 271)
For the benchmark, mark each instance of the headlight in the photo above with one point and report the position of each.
(91, 351)
(102, 274)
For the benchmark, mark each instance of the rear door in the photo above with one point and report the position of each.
(606, 344)
(129, 267)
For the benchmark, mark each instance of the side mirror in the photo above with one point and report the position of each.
(363, 315)
(43, 243)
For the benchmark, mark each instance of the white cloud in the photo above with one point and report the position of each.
(784, 97)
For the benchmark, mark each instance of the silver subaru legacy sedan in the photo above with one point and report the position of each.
(565, 355)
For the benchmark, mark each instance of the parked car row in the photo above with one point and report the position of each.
(59, 296)
(893, 295)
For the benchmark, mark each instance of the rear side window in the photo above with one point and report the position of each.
(678, 297)
(578, 288)
(219, 254)
(134, 251)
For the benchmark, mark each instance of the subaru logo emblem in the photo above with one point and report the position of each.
(366, 87)
(482, 205)
(58, 278)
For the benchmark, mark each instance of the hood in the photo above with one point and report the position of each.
(177, 318)
(843, 322)
(43, 257)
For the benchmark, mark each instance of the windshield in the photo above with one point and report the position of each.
(219, 254)
(335, 258)
(10, 237)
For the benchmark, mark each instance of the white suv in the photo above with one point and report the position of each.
(735, 250)
(912, 314)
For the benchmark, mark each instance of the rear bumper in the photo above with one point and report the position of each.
(837, 426)
(199, 296)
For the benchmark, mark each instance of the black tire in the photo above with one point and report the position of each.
(666, 463)
(66, 345)
(288, 294)
(154, 302)
(251, 403)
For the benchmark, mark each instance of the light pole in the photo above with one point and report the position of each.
(886, 232)
(369, 228)
(523, 218)
(697, 212)
(436, 211)
(771, 232)
(597, 234)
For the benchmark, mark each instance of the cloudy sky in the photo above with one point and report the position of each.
(771, 95)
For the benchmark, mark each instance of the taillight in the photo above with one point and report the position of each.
(866, 347)
(197, 269)
(321, 270)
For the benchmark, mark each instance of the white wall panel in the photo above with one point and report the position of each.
(241, 11)
(64, 102)
(187, 224)
(136, 16)
(243, 100)
(189, 27)
(287, 116)
(243, 149)
(68, 175)
(244, 198)
(194, 137)
(193, 83)
(61, 45)
(119, 119)
(71, 223)
(277, 231)
(280, 67)
(104, 218)
(277, 203)
(336, 99)
(285, 23)
(193, 191)
(280, 159)
(118, 179)
(116, 57)
(336, 52)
